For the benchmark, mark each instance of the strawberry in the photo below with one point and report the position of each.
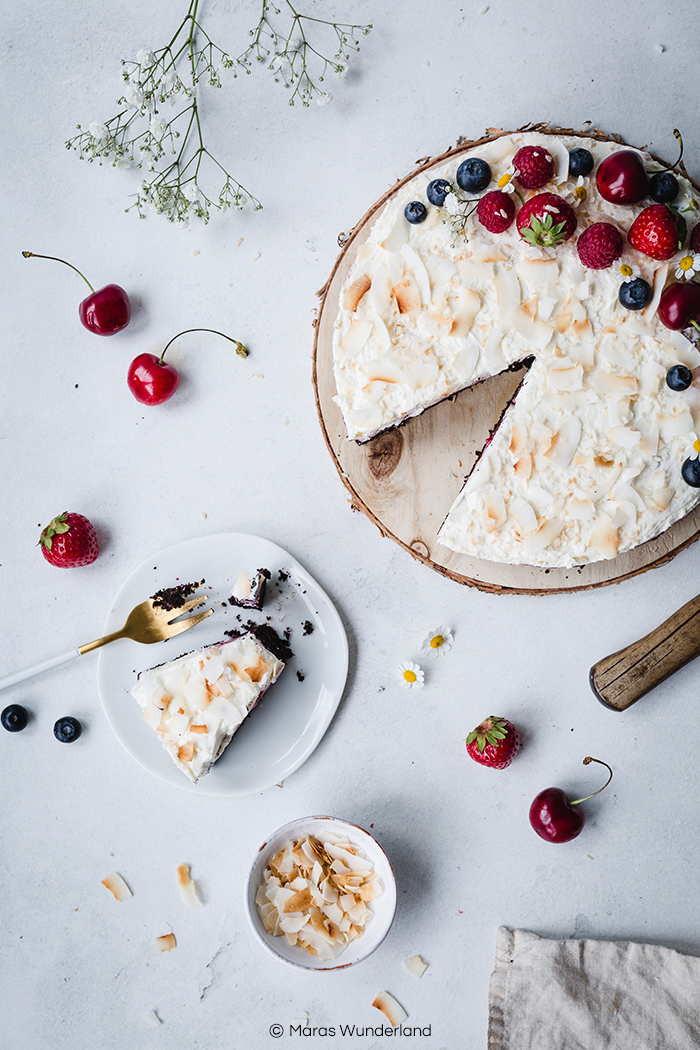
(68, 541)
(599, 246)
(534, 167)
(658, 231)
(495, 211)
(494, 743)
(546, 220)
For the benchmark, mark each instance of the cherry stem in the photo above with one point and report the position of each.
(695, 324)
(240, 349)
(33, 255)
(586, 762)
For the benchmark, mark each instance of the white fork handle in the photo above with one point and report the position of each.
(46, 665)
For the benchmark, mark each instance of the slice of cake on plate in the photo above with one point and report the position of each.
(196, 703)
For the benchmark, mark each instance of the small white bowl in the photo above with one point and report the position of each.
(382, 907)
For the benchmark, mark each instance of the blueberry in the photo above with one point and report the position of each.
(690, 472)
(415, 212)
(635, 294)
(473, 175)
(663, 187)
(67, 730)
(437, 191)
(14, 718)
(679, 377)
(580, 162)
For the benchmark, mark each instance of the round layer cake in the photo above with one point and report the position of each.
(514, 254)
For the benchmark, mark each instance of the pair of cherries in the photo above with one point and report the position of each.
(107, 311)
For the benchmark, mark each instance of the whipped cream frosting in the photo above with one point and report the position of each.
(197, 702)
(586, 461)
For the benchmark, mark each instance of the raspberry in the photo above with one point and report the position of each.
(534, 166)
(599, 246)
(495, 211)
(546, 220)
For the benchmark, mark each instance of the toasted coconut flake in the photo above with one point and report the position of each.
(166, 943)
(389, 1006)
(186, 752)
(324, 908)
(152, 1018)
(187, 887)
(407, 295)
(415, 966)
(354, 293)
(117, 887)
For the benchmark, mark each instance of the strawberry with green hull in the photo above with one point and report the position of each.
(546, 220)
(494, 743)
(69, 541)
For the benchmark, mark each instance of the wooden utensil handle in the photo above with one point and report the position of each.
(621, 679)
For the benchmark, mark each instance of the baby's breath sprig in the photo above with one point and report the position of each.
(288, 51)
(173, 149)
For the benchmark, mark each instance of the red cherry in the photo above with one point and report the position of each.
(152, 381)
(552, 815)
(105, 311)
(621, 178)
(680, 305)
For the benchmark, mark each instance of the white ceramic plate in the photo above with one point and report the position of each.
(382, 907)
(293, 715)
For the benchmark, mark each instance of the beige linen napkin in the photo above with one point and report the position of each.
(591, 995)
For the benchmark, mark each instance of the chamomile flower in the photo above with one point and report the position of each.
(627, 271)
(438, 642)
(687, 266)
(578, 194)
(410, 675)
(505, 183)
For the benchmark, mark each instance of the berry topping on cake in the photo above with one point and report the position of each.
(67, 730)
(437, 191)
(495, 211)
(599, 246)
(690, 471)
(679, 377)
(473, 175)
(622, 178)
(658, 232)
(663, 187)
(546, 220)
(580, 162)
(68, 541)
(635, 294)
(14, 718)
(494, 743)
(535, 167)
(415, 212)
(679, 305)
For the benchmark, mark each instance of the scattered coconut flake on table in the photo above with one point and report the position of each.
(116, 886)
(166, 943)
(152, 1018)
(187, 887)
(389, 1006)
(315, 894)
(415, 966)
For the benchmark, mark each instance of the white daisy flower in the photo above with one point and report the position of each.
(505, 183)
(438, 642)
(578, 194)
(628, 271)
(410, 675)
(687, 266)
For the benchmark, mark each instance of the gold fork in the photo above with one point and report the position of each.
(146, 623)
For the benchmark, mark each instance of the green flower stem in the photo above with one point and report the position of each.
(240, 349)
(33, 255)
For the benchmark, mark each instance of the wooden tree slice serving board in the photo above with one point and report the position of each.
(405, 480)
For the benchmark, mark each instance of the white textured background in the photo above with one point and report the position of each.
(79, 970)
